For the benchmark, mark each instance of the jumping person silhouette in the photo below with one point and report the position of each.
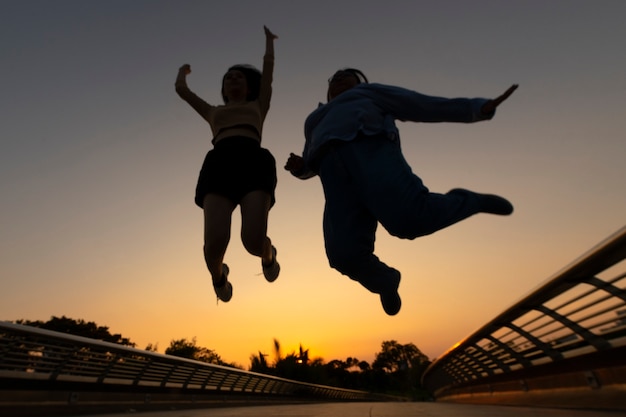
(237, 171)
(353, 144)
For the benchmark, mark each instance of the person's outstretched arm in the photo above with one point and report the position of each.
(265, 94)
(199, 105)
(408, 105)
(269, 41)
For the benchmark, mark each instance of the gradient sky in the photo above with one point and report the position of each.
(99, 159)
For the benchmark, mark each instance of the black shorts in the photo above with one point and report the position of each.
(236, 166)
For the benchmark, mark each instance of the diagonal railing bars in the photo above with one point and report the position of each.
(572, 325)
(37, 363)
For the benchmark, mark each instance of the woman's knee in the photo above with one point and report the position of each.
(254, 243)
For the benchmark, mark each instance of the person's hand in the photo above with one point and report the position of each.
(185, 69)
(294, 164)
(490, 106)
(269, 34)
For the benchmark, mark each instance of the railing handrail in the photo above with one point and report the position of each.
(86, 341)
(71, 358)
(600, 257)
(575, 321)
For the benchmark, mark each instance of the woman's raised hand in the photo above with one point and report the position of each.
(185, 69)
(269, 34)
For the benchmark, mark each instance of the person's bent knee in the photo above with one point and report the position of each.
(344, 261)
(409, 232)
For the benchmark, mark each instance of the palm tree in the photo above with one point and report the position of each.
(277, 353)
(258, 363)
(303, 358)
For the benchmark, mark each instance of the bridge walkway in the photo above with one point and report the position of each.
(377, 409)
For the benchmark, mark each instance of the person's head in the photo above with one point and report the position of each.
(241, 81)
(343, 80)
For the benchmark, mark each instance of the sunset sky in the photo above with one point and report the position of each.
(99, 158)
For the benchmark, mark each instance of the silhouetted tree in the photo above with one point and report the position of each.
(277, 352)
(303, 357)
(79, 328)
(152, 347)
(184, 348)
(297, 366)
(364, 366)
(397, 357)
(399, 368)
(259, 363)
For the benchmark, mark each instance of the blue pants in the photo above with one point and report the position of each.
(367, 181)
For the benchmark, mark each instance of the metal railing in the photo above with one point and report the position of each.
(564, 344)
(36, 364)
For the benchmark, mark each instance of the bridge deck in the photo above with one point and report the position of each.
(379, 409)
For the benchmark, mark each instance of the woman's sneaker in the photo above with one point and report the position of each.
(225, 291)
(272, 270)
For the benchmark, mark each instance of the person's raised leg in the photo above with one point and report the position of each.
(217, 222)
(399, 199)
(255, 208)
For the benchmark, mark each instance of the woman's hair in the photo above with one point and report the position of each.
(253, 79)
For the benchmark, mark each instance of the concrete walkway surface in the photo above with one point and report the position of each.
(376, 409)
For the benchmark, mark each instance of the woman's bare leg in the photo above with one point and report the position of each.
(255, 207)
(217, 221)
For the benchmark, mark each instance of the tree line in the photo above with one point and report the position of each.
(397, 368)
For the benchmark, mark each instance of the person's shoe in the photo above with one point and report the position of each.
(225, 291)
(272, 270)
(390, 300)
(489, 203)
(494, 204)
